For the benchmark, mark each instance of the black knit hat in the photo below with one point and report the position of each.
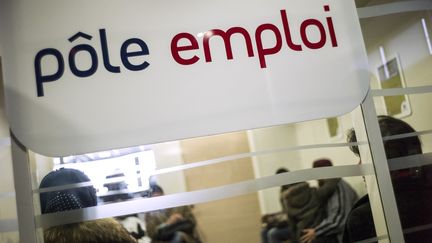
(68, 199)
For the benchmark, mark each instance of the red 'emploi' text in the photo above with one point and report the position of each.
(261, 50)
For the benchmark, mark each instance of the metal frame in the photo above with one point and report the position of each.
(23, 191)
(382, 171)
(27, 220)
(23, 180)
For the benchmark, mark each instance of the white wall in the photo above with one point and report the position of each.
(2, 34)
(405, 37)
(270, 138)
(400, 34)
(7, 203)
(316, 132)
(305, 133)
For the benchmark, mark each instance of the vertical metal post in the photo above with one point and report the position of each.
(382, 171)
(24, 192)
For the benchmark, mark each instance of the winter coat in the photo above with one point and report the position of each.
(304, 205)
(155, 220)
(135, 226)
(413, 197)
(337, 209)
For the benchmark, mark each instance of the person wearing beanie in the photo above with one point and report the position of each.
(69, 199)
(337, 208)
(96, 231)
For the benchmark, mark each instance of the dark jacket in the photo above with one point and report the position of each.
(304, 205)
(155, 221)
(413, 198)
(337, 209)
(360, 224)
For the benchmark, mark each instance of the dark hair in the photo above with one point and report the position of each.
(281, 170)
(321, 163)
(394, 148)
(68, 199)
(402, 146)
(351, 138)
(398, 147)
(156, 189)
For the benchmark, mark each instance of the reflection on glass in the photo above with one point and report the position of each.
(123, 171)
(412, 185)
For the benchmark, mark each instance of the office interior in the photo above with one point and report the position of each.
(231, 177)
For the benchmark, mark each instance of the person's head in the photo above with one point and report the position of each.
(394, 148)
(156, 190)
(398, 147)
(97, 231)
(352, 138)
(63, 200)
(281, 170)
(321, 163)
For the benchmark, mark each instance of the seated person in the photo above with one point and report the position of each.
(275, 225)
(174, 225)
(135, 226)
(97, 231)
(337, 208)
(412, 188)
(76, 198)
(118, 192)
(304, 205)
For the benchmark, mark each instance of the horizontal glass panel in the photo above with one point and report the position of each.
(233, 170)
(239, 207)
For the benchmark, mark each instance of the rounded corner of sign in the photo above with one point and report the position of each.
(360, 101)
(353, 105)
(365, 93)
(16, 137)
(364, 87)
(22, 142)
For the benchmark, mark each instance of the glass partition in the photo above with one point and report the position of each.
(226, 187)
(8, 213)
(400, 56)
(222, 178)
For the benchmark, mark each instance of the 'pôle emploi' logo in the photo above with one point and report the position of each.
(185, 49)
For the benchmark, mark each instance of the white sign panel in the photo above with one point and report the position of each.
(84, 76)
